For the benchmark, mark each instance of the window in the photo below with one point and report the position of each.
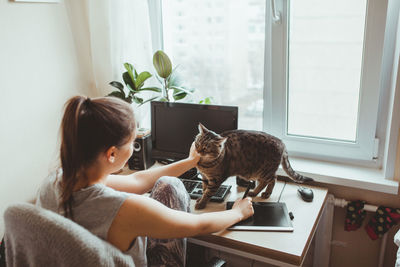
(325, 79)
(307, 71)
(227, 53)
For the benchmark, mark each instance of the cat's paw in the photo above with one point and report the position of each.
(200, 205)
(252, 194)
(265, 195)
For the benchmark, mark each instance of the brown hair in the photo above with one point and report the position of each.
(90, 126)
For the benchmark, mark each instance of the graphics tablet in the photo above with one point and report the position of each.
(268, 216)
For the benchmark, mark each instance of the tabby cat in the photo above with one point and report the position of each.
(251, 155)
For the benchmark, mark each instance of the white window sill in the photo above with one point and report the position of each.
(340, 174)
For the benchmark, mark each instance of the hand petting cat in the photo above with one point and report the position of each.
(193, 154)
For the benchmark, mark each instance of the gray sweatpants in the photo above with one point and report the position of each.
(171, 192)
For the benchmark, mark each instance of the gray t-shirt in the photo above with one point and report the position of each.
(94, 208)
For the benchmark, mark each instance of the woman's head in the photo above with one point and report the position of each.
(90, 128)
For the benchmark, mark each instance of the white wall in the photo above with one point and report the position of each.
(39, 71)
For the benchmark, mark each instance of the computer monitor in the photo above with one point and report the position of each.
(175, 125)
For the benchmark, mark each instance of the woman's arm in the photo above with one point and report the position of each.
(143, 216)
(142, 181)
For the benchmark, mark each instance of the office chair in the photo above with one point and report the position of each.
(38, 237)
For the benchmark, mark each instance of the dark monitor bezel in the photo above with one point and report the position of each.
(162, 155)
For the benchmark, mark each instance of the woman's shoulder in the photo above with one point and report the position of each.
(49, 192)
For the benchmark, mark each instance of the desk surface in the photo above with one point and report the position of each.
(287, 247)
(281, 248)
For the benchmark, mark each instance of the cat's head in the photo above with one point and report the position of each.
(208, 143)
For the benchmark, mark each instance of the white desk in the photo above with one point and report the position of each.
(279, 248)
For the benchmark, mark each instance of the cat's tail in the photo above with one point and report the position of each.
(298, 178)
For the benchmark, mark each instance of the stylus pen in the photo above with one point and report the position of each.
(247, 190)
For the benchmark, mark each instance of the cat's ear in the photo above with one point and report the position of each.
(202, 129)
(223, 141)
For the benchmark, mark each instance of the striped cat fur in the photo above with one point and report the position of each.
(251, 155)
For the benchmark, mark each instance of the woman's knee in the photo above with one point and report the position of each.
(168, 183)
(171, 192)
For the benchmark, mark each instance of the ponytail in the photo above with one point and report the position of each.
(88, 128)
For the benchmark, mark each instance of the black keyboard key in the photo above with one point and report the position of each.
(189, 185)
(195, 190)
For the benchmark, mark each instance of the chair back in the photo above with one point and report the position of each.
(38, 237)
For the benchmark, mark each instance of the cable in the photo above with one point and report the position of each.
(281, 192)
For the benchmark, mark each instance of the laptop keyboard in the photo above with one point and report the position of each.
(195, 190)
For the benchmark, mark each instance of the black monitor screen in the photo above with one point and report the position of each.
(175, 125)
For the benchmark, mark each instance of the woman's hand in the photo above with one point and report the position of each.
(244, 206)
(193, 155)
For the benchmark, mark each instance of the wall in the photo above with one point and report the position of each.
(39, 71)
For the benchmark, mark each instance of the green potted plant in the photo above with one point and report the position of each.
(134, 83)
(171, 83)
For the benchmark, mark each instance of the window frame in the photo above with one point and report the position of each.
(387, 114)
(364, 149)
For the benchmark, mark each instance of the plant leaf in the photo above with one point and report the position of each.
(120, 95)
(128, 81)
(132, 72)
(163, 99)
(174, 79)
(154, 89)
(141, 78)
(148, 100)
(117, 94)
(162, 64)
(118, 85)
(208, 100)
(179, 96)
(188, 91)
(131, 91)
(137, 100)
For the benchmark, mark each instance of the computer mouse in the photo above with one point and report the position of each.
(306, 193)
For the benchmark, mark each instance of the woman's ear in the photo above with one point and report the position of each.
(110, 154)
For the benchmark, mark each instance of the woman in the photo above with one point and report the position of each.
(97, 138)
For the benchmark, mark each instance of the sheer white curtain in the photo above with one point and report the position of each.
(112, 32)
